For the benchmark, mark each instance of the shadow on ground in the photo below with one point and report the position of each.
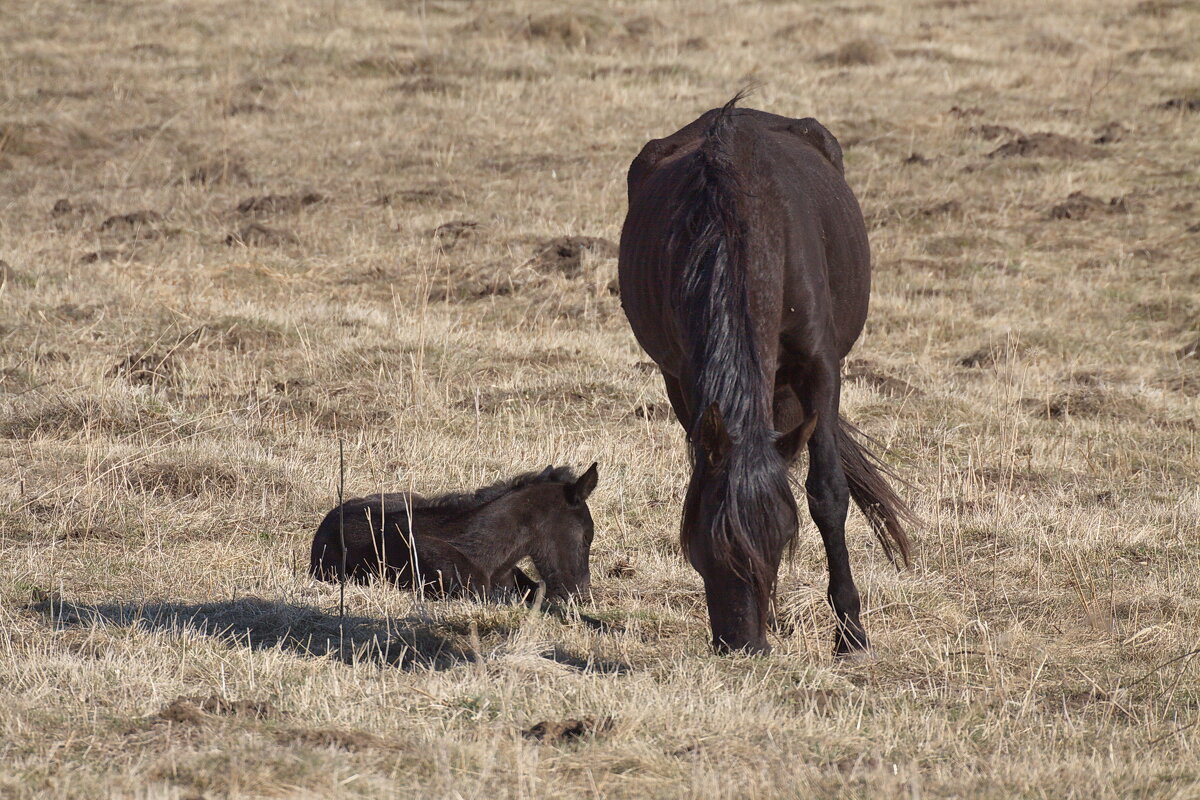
(411, 642)
(406, 642)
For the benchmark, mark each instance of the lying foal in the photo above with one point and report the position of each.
(472, 542)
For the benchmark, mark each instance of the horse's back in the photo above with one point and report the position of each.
(804, 229)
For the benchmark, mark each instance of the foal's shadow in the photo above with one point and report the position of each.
(406, 642)
(411, 642)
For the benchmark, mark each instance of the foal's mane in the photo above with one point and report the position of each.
(464, 501)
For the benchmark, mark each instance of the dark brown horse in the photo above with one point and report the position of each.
(745, 271)
(469, 543)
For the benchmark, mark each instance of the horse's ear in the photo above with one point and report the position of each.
(579, 491)
(714, 438)
(792, 442)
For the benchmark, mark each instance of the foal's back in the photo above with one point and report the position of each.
(379, 531)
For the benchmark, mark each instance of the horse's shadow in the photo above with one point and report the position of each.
(410, 642)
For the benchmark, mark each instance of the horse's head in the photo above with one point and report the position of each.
(563, 536)
(738, 515)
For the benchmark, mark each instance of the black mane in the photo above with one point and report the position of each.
(461, 501)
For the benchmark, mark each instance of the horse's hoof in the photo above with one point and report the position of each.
(863, 656)
(852, 647)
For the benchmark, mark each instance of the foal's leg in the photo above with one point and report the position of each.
(525, 586)
(828, 499)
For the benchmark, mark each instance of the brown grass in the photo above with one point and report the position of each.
(186, 331)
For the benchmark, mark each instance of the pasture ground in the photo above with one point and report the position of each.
(233, 232)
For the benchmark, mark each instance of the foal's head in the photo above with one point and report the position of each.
(562, 529)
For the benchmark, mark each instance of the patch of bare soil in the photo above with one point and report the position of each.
(565, 254)
(450, 235)
(255, 235)
(555, 732)
(1046, 145)
(279, 203)
(1080, 206)
(218, 171)
(855, 53)
(197, 710)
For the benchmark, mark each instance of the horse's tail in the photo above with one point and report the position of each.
(708, 242)
(872, 493)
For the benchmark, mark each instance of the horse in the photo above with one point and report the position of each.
(466, 543)
(744, 271)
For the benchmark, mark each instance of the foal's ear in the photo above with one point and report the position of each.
(714, 437)
(579, 491)
(792, 442)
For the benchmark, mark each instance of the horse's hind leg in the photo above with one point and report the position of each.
(829, 498)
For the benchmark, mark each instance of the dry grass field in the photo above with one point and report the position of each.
(235, 232)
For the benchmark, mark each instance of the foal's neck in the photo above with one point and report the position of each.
(502, 532)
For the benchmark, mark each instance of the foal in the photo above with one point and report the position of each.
(467, 543)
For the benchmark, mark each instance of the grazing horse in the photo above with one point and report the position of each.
(744, 272)
(466, 543)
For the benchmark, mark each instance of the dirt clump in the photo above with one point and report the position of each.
(652, 411)
(144, 369)
(238, 109)
(1045, 145)
(255, 235)
(218, 171)
(622, 568)
(1111, 133)
(555, 732)
(864, 371)
(565, 254)
(136, 223)
(197, 710)
(105, 254)
(451, 234)
(948, 208)
(1080, 206)
(279, 203)
(1181, 104)
(65, 207)
(994, 131)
